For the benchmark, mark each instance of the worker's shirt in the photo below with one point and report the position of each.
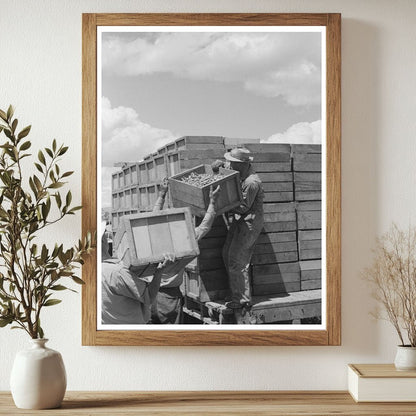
(125, 297)
(251, 208)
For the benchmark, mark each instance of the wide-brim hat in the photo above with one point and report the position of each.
(239, 154)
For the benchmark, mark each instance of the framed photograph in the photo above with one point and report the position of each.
(211, 171)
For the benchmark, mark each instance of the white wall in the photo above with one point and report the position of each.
(40, 73)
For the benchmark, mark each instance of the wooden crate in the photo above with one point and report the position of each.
(160, 168)
(309, 220)
(142, 174)
(232, 142)
(197, 199)
(206, 286)
(199, 142)
(306, 148)
(268, 148)
(276, 278)
(272, 166)
(142, 240)
(307, 162)
(311, 274)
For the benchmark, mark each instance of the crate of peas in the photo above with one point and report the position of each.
(190, 188)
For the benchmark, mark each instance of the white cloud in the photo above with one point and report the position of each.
(125, 138)
(267, 64)
(299, 133)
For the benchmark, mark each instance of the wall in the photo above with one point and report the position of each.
(40, 73)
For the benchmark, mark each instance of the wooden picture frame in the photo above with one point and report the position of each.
(331, 335)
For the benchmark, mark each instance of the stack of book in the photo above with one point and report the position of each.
(381, 383)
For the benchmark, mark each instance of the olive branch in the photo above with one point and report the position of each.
(31, 274)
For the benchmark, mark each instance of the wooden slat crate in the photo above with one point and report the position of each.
(160, 168)
(268, 148)
(306, 148)
(276, 278)
(309, 220)
(270, 157)
(272, 258)
(307, 162)
(311, 274)
(143, 178)
(199, 142)
(231, 142)
(207, 285)
(272, 166)
(142, 240)
(197, 199)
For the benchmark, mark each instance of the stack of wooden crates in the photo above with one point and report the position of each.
(287, 257)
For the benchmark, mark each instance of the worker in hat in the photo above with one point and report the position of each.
(126, 298)
(167, 306)
(246, 225)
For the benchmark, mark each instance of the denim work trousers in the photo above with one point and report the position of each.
(167, 307)
(237, 252)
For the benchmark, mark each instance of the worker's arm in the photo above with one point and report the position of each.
(249, 192)
(153, 286)
(164, 186)
(209, 217)
(216, 165)
(125, 283)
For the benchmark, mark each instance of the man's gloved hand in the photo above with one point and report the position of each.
(217, 165)
(168, 259)
(214, 195)
(164, 186)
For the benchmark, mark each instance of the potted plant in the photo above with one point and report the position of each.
(393, 277)
(32, 272)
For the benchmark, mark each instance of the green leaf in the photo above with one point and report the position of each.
(5, 321)
(77, 208)
(68, 199)
(67, 174)
(24, 132)
(76, 279)
(44, 253)
(41, 158)
(3, 115)
(25, 145)
(10, 112)
(59, 287)
(58, 199)
(40, 332)
(54, 145)
(45, 211)
(51, 302)
(39, 167)
(63, 151)
(33, 187)
(56, 185)
(8, 133)
(49, 152)
(37, 183)
(14, 125)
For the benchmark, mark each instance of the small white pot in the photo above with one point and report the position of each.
(405, 358)
(38, 377)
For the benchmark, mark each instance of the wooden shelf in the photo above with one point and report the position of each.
(317, 403)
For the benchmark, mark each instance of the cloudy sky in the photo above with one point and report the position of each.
(160, 86)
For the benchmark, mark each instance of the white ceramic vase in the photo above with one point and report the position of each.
(38, 378)
(405, 358)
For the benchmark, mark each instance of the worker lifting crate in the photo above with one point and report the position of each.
(142, 240)
(191, 188)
